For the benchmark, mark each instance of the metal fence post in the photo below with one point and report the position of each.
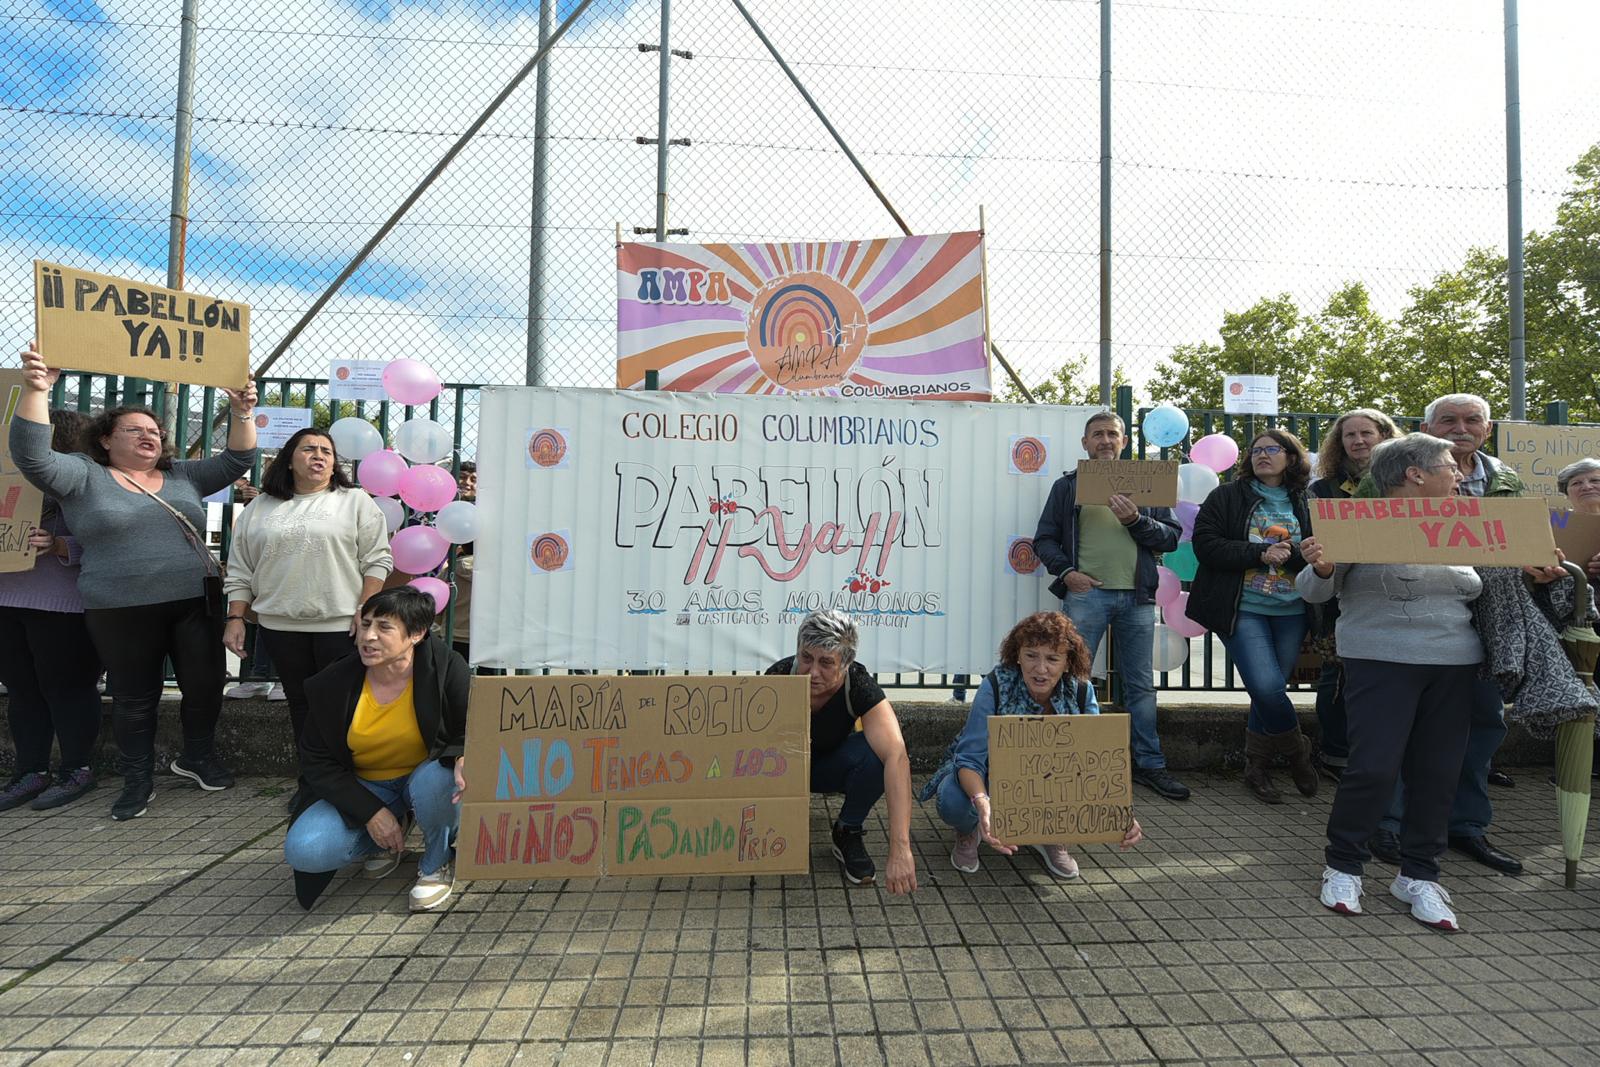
(1555, 413)
(1105, 202)
(535, 371)
(1514, 258)
(1125, 413)
(661, 121)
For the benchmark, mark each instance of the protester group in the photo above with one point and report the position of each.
(1409, 718)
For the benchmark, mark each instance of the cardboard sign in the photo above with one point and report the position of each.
(1059, 779)
(109, 325)
(1250, 394)
(1148, 483)
(1537, 453)
(1462, 530)
(1577, 534)
(636, 777)
(274, 426)
(356, 379)
(19, 502)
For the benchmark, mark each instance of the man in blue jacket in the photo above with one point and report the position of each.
(1103, 557)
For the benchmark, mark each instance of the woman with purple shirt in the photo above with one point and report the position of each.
(47, 662)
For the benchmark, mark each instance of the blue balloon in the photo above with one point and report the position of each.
(1165, 426)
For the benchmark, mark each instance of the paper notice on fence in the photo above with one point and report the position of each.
(1148, 483)
(109, 325)
(19, 501)
(1250, 394)
(1059, 779)
(1537, 453)
(356, 379)
(1461, 530)
(640, 776)
(274, 426)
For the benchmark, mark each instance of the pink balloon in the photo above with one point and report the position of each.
(1176, 615)
(427, 488)
(434, 588)
(410, 382)
(418, 549)
(1168, 586)
(380, 473)
(1217, 451)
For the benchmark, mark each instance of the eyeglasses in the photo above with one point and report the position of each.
(1447, 467)
(140, 431)
(1267, 450)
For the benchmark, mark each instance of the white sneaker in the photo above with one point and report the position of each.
(275, 694)
(1057, 860)
(1341, 892)
(381, 866)
(1430, 904)
(432, 890)
(248, 690)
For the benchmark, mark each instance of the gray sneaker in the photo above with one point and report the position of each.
(23, 788)
(965, 855)
(68, 786)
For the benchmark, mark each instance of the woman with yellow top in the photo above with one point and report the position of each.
(382, 735)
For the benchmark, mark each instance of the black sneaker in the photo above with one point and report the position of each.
(134, 799)
(204, 772)
(68, 786)
(1160, 780)
(23, 788)
(851, 852)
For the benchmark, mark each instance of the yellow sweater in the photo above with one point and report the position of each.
(384, 740)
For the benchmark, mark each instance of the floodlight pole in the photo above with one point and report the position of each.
(1514, 253)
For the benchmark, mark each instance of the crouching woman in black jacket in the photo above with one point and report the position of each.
(382, 735)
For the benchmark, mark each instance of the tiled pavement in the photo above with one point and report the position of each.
(176, 939)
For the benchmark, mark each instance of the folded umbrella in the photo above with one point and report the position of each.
(1575, 739)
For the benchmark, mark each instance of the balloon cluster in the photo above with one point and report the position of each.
(407, 471)
(1209, 457)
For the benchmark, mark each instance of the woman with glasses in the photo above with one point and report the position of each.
(151, 588)
(1344, 457)
(1580, 483)
(1246, 537)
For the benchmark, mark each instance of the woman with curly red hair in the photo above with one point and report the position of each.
(1044, 670)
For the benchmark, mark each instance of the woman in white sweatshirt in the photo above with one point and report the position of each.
(306, 554)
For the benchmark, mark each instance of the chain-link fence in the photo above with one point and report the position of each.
(1260, 149)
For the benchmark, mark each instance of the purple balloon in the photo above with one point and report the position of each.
(1185, 513)
(410, 382)
(427, 488)
(418, 549)
(434, 588)
(380, 473)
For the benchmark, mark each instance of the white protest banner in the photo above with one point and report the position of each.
(274, 426)
(692, 531)
(1250, 394)
(898, 317)
(356, 379)
(1537, 453)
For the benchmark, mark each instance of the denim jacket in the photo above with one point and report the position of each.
(970, 749)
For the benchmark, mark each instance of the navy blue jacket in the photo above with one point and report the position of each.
(1055, 542)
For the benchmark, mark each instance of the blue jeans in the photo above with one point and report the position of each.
(1331, 717)
(319, 840)
(854, 770)
(1133, 629)
(1472, 811)
(1264, 648)
(955, 807)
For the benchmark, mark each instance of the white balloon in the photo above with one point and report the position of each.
(1169, 650)
(1196, 482)
(356, 439)
(422, 441)
(458, 521)
(394, 512)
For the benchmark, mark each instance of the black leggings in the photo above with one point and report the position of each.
(50, 670)
(134, 643)
(298, 656)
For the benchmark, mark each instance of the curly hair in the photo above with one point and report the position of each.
(1297, 475)
(105, 424)
(1054, 631)
(1331, 457)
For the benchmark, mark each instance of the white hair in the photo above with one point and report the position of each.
(1458, 400)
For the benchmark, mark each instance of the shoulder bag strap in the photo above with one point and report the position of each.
(190, 534)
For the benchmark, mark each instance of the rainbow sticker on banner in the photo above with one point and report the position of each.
(900, 317)
(1029, 456)
(1020, 556)
(550, 553)
(548, 448)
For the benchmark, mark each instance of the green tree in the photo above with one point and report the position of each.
(1074, 382)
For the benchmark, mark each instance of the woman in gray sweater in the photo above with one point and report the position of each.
(1411, 660)
(150, 587)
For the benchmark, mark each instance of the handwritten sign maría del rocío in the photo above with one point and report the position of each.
(585, 776)
(1149, 483)
(1059, 779)
(110, 325)
(1460, 530)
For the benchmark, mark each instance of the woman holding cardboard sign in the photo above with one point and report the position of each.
(1411, 659)
(1580, 482)
(151, 588)
(1044, 670)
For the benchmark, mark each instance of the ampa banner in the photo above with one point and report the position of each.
(893, 317)
(691, 531)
